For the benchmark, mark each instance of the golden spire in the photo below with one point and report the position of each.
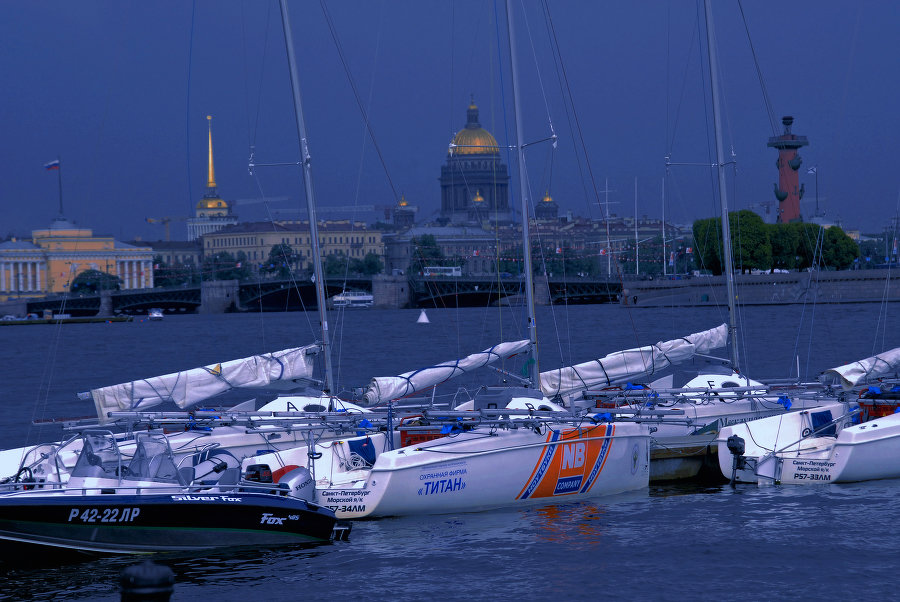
(478, 198)
(211, 183)
(547, 197)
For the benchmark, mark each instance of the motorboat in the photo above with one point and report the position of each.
(352, 300)
(155, 314)
(115, 504)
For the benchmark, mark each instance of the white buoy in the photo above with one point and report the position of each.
(423, 319)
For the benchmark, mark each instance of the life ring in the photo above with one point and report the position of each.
(806, 432)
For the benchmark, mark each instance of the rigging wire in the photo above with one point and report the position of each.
(337, 43)
(773, 122)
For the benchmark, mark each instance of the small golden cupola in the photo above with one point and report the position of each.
(473, 139)
(211, 204)
(478, 198)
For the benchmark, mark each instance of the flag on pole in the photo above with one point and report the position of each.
(811, 170)
(52, 165)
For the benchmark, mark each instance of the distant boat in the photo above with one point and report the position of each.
(423, 318)
(352, 299)
(155, 314)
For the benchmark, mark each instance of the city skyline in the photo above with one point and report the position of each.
(120, 93)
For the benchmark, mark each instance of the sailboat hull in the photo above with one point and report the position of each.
(475, 471)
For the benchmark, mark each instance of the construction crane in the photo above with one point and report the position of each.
(165, 221)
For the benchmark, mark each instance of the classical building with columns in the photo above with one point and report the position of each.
(49, 262)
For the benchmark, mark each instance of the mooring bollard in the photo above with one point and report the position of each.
(147, 582)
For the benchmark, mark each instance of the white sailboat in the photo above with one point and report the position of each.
(826, 444)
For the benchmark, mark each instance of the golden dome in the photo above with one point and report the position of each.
(478, 198)
(402, 202)
(473, 139)
(212, 203)
(547, 197)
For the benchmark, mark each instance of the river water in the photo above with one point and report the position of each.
(671, 542)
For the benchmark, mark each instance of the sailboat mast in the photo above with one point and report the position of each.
(533, 370)
(310, 200)
(720, 166)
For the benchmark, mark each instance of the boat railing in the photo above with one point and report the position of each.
(811, 432)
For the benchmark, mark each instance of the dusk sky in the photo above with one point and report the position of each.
(120, 92)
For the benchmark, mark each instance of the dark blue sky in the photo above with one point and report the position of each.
(120, 91)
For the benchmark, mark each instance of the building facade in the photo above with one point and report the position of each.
(256, 239)
(55, 256)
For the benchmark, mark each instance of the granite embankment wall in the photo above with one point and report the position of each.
(857, 286)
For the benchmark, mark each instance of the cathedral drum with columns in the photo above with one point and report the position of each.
(474, 181)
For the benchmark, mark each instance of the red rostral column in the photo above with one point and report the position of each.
(787, 191)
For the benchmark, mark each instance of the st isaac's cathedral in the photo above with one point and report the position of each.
(474, 181)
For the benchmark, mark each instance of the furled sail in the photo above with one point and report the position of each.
(867, 370)
(630, 364)
(193, 386)
(385, 388)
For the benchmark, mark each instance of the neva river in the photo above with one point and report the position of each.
(675, 542)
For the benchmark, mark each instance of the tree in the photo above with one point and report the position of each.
(839, 251)
(750, 241)
(282, 261)
(225, 266)
(809, 249)
(369, 265)
(785, 239)
(750, 246)
(93, 281)
(335, 264)
(708, 244)
(425, 252)
(179, 274)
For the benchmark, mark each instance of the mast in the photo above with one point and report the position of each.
(720, 165)
(310, 200)
(533, 370)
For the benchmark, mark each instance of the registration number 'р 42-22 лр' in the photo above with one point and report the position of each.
(105, 515)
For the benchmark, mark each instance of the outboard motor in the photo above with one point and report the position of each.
(299, 484)
(736, 446)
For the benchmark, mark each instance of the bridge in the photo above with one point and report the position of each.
(442, 291)
(297, 295)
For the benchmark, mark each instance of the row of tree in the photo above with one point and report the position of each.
(756, 245)
(283, 262)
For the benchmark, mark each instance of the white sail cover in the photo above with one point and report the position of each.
(385, 388)
(622, 366)
(190, 387)
(867, 370)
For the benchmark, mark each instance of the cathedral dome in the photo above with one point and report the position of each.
(473, 139)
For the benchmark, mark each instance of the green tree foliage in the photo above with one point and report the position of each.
(369, 265)
(785, 239)
(425, 252)
(179, 274)
(756, 245)
(839, 250)
(750, 241)
(93, 281)
(708, 244)
(283, 260)
(225, 266)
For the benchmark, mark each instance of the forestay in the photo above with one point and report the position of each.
(385, 388)
(190, 387)
(630, 364)
(867, 370)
